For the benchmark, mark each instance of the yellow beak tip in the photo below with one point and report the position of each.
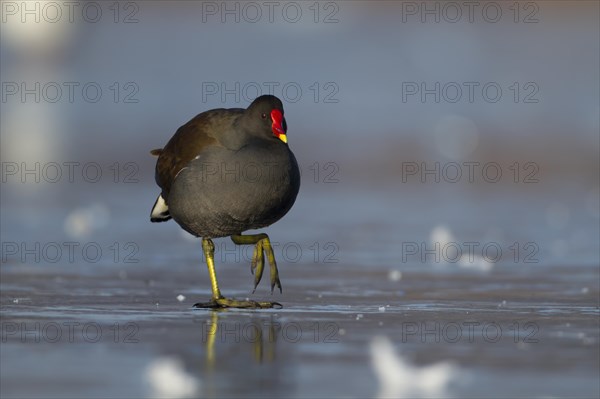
(283, 138)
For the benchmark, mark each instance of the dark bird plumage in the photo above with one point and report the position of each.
(227, 171)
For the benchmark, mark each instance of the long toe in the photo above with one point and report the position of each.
(260, 267)
(207, 305)
(221, 303)
(257, 256)
(247, 304)
(275, 278)
(276, 283)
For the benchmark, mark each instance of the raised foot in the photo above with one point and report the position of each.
(221, 303)
(258, 264)
(262, 247)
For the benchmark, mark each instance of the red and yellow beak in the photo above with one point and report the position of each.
(277, 126)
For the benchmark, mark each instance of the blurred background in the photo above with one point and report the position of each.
(418, 126)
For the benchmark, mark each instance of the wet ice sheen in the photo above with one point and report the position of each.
(292, 348)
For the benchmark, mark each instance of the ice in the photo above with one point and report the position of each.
(394, 275)
(83, 222)
(476, 262)
(168, 379)
(442, 235)
(456, 137)
(398, 378)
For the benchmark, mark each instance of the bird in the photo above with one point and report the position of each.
(224, 172)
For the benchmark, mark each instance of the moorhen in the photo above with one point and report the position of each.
(224, 172)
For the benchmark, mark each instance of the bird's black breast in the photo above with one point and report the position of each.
(224, 192)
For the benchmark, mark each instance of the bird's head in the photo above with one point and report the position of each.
(265, 115)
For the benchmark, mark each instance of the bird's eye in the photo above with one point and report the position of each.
(264, 116)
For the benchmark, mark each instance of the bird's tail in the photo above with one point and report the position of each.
(160, 211)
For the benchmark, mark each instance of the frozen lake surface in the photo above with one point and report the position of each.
(362, 316)
(443, 244)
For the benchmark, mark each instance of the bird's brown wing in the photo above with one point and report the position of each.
(188, 142)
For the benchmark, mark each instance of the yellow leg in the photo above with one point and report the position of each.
(217, 300)
(209, 252)
(262, 242)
